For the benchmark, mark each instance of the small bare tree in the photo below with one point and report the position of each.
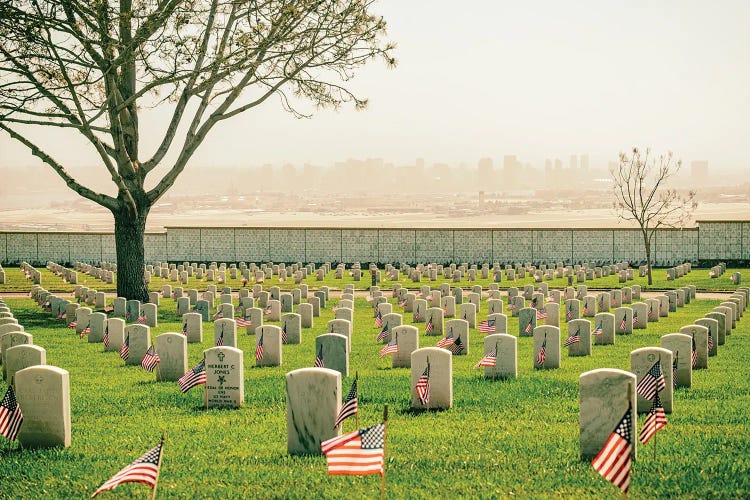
(641, 195)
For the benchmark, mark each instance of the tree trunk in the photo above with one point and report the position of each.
(129, 233)
(647, 245)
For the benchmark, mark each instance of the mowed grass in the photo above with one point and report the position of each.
(512, 438)
(16, 281)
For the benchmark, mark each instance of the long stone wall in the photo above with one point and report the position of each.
(709, 241)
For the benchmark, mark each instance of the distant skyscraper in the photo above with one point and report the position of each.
(698, 172)
(573, 162)
(511, 170)
(584, 160)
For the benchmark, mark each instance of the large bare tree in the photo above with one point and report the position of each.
(89, 67)
(642, 195)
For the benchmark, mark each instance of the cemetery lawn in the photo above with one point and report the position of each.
(501, 438)
(16, 282)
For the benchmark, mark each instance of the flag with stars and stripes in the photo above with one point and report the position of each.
(428, 327)
(259, 348)
(694, 354)
(105, 336)
(613, 460)
(219, 315)
(487, 326)
(383, 334)
(267, 310)
(144, 470)
(423, 387)
(542, 355)
(220, 340)
(447, 340)
(142, 319)
(540, 314)
(125, 349)
(150, 360)
(490, 359)
(623, 323)
(357, 453)
(674, 370)
(573, 338)
(284, 335)
(598, 330)
(585, 308)
(390, 348)
(528, 327)
(418, 316)
(319, 363)
(349, 407)
(11, 416)
(650, 313)
(569, 313)
(243, 322)
(652, 382)
(456, 346)
(378, 319)
(710, 345)
(193, 377)
(85, 331)
(184, 328)
(655, 420)
(635, 317)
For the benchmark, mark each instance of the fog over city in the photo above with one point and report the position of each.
(502, 114)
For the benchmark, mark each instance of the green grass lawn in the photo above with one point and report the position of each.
(16, 282)
(513, 438)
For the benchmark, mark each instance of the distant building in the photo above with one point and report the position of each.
(512, 170)
(584, 160)
(573, 162)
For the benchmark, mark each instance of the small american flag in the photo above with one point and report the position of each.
(428, 327)
(72, 325)
(144, 470)
(401, 303)
(242, 322)
(652, 382)
(11, 416)
(85, 331)
(674, 370)
(710, 341)
(569, 313)
(573, 338)
(585, 308)
(490, 359)
(259, 348)
(105, 337)
(598, 330)
(218, 315)
(423, 386)
(542, 355)
(655, 420)
(319, 358)
(487, 326)
(528, 327)
(150, 360)
(349, 407)
(650, 313)
(390, 348)
(220, 340)
(456, 347)
(378, 319)
(284, 335)
(417, 316)
(613, 460)
(193, 377)
(267, 310)
(540, 314)
(694, 355)
(125, 349)
(142, 319)
(447, 340)
(184, 328)
(635, 317)
(358, 453)
(623, 323)
(383, 334)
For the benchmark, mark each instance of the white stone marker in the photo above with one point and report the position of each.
(605, 395)
(291, 328)
(641, 361)
(408, 342)
(43, 393)
(681, 346)
(713, 333)
(269, 337)
(334, 349)
(192, 327)
(172, 350)
(581, 329)
(548, 338)
(604, 323)
(225, 382)
(11, 339)
(459, 330)
(439, 376)
(313, 400)
(140, 341)
(506, 356)
(22, 356)
(225, 332)
(699, 336)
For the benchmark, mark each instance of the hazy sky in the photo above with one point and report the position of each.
(535, 78)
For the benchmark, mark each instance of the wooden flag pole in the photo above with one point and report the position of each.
(158, 465)
(385, 428)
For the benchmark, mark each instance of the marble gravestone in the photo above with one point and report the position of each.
(225, 332)
(720, 318)
(640, 315)
(291, 326)
(605, 394)
(172, 350)
(9, 340)
(434, 319)
(526, 322)
(713, 333)
(641, 361)
(140, 341)
(699, 336)
(408, 341)
(604, 329)
(436, 365)
(201, 307)
(43, 393)
(192, 327)
(269, 337)
(116, 332)
(547, 337)
(506, 356)
(580, 328)
(459, 330)
(22, 356)
(623, 321)
(681, 347)
(97, 325)
(333, 349)
(313, 400)
(225, 386)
